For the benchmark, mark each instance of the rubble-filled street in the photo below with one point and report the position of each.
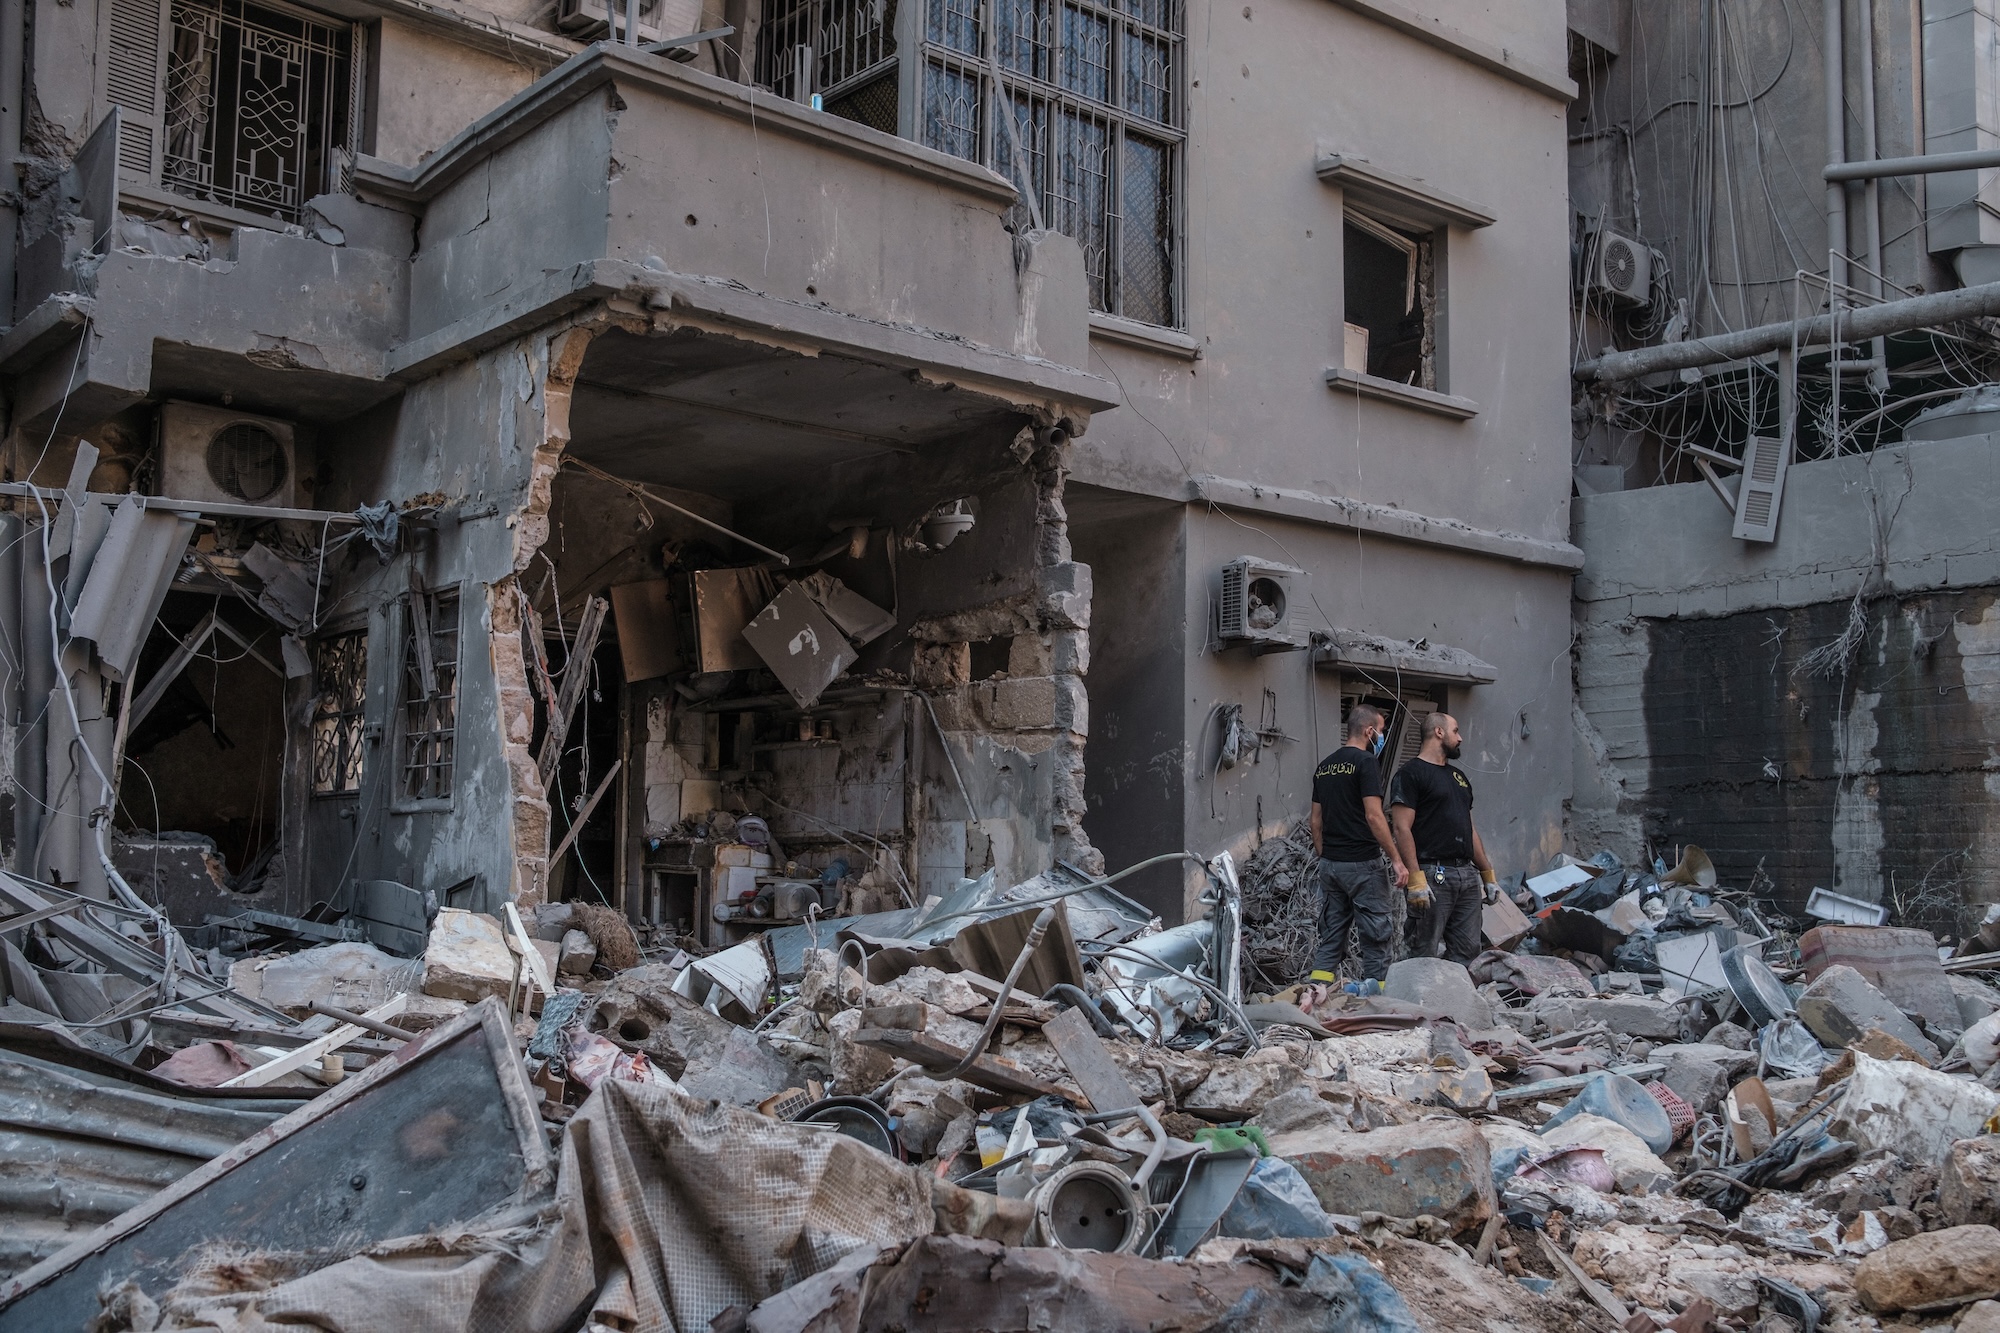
(999, 666)
(1014, 1107)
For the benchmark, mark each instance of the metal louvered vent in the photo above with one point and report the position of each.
(1621, 265)
(1256, 604)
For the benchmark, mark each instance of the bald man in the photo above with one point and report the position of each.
(1430, 806)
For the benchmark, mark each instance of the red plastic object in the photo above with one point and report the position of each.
(1679, 1113)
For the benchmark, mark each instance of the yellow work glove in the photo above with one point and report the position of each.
(1492, 881)
(1320, 978)
(1419, 892)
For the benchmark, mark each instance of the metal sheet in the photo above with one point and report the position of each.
(439, 1137)
(645, 619)
(127, 582)
(82, 1140)
(804, 649)
(725, 600)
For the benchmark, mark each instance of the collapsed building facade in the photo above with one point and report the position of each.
(448, 461)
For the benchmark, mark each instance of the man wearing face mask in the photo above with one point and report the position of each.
(1359, 867)
(1431, 801)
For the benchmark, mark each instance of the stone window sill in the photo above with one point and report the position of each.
(1145, 337)
(1405, 395)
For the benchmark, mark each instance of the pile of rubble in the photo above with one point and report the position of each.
(1011, 1107)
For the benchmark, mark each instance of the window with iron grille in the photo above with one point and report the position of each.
(252, 106)
(340, 685)
(430, 693)
(1093, 92)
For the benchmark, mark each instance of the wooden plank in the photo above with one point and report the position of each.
(1610, 1304)
(1571, 1082)
(1095, 1072)
(576, 824)
(899, 1031)
(531, 957)
(310, 1053)
(575, 676)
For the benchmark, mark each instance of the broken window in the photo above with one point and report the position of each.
(1391, 284)
(253, 106)
(430, 693)
(1094, 93)
(340, 682)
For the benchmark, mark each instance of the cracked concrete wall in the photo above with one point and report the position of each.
(1710, 672)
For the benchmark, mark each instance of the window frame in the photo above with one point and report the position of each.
(135, 46)
(1426, 271)
(356, 717)
(911, 41)
(403, 801)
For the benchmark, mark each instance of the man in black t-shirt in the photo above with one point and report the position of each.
(1357, 856)
(1431, 804)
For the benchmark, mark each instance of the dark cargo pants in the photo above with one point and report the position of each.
(1360, 894)
(1458, 895)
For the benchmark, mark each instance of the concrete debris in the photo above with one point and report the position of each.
(1840, 1006)
(1939, 1270)
(1559, 1136)
(468, 958)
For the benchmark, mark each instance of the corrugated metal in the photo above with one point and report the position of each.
(127, 580)
(79, 1146)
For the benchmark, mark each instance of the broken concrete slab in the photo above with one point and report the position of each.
(351, 976)
(1438, 1167)
(747, 1073)
(576, 953)
(1975, 999)
(1701, 1073)
(1915, 1112)
(1901, 962)
(1840, 1005)
(1237, 1089)
(1438, 983)
(1939, 1270)
(467, 957)
(1629, 1015)
(1968, 1189)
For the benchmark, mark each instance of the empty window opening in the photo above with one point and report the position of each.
(430, 694)
(340, 697)
(1391, 302)
(989, 657)
(260, 105)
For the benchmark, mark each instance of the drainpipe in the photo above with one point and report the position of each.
(13, 43)
(1871, 206)
(1836, 149)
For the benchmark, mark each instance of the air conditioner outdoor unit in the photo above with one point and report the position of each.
(1257, 604)
(658, 19)
(215, 454)
(1621, 267)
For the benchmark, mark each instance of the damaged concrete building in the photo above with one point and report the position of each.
(448, 462)
(1783, 222)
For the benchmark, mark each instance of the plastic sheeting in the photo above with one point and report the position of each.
(668, 1211)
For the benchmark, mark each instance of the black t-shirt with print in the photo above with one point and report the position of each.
(1442, 799)
(1340, 783)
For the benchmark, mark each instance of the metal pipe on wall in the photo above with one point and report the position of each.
(1853, 325)
(13, 55)
(1835, 74)
(1927, 164)
(1871, 194)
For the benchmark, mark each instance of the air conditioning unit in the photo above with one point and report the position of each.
(1621, 267)
(214, 454)
(588, 20)
(1258, 604)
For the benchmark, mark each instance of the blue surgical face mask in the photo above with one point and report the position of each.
(1381, 743)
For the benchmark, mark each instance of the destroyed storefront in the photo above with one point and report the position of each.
(601, 565)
